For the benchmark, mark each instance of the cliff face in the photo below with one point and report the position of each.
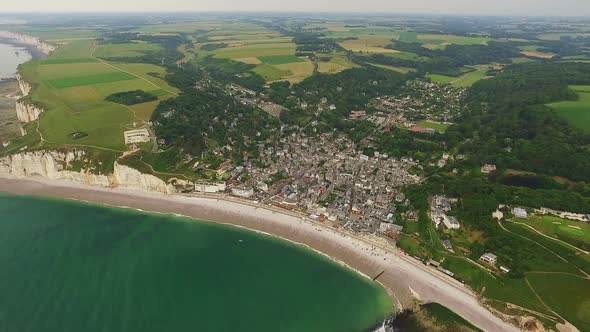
(56, 165)
(28, 40)
(24, 87)
(130, 178)
(50, 164)
(27, 112)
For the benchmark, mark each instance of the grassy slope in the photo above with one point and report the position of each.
(566, 294)
(559, 228)
(441, 127)
(462, 81)
(576, 112)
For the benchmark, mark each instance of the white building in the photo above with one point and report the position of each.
(498, 215)
(385, 227)
(209, 187)
(488, 168)
(489, 258)
(243, 191)
(451, 222)
(520, 213)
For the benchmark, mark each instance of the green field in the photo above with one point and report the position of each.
(562, 229)
(577, 113)
(56, 34)
(270, 73)
(440, 127)
(280, 59)
(508, 290)
(409, 244)
(338, 62)
(401, 70)
(441, 41)
(89, 80)
(442, 316)
(66, 61)
(72, 87)
(462, 81)
(125, 50)
(568, 295)
(80, 49)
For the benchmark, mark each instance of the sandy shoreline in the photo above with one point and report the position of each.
(364, 255)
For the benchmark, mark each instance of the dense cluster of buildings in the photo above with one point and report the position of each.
(440, 206)
(325, 177)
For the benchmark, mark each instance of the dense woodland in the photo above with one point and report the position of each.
(448, 61)
(508, 125)
(204, 122)
(131, 97)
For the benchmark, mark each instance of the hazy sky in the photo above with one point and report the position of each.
(483, 7)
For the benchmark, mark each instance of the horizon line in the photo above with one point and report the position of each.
(291, 12)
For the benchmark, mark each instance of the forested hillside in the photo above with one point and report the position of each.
(508, 124)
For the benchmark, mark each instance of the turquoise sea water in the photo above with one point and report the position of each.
(67, 266)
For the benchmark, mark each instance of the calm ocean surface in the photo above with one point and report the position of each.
(10, 58)
(67, 266)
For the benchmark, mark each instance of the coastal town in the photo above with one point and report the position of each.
(435, 159)
(326, 178)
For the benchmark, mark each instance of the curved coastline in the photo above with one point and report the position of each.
(404, 278)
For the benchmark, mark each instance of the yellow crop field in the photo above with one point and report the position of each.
(369, 44)
(298, 70)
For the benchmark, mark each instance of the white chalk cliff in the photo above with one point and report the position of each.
(24, 87)
(55, 165)
(28, 40)
(130, 178)
(27, 112)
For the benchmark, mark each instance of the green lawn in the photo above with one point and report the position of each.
(125, 50)
(546, 261)
(441, 127)
(577, 112)
(270, 73)
(53, 33)
(72, 86)
(568, 295)
(409, 244)
(256, 50)
(501, 289)
(562, 229)
(441, 78)
(89, 80)
(444, 316)
(66, 61)
(441, 41)
(463, 81)
(80, 49)
(401, 70)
